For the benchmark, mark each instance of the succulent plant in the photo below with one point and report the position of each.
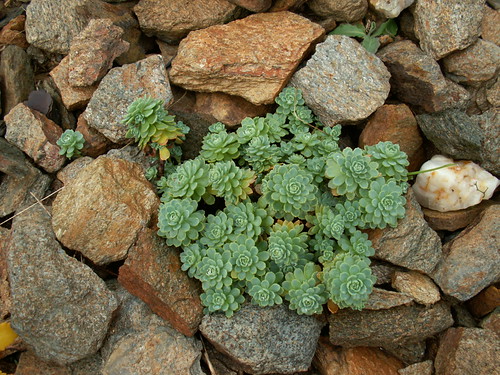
(288, 99)
(351, 213)
(220, 146)
(151, 173)
(251, 128)
(299, 120)
(287, 246)
(227, 300)
(266, 291)
(247, 219)
(260, 154)
(305, 143)
(357, 243)
(217, 230)
(392, 162)
(275, 127)
(190, 180)
(214, 269)
(191, 256)
(230, 182)
(316, 165)
(70, 143)
(247, 260)
(179, 222)
(328, 141)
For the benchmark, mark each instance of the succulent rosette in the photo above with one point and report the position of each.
(70, 143)
(357, 243)
(214, 269)
(191, 256)
(260, 154)
(266, 291)
(247, 219)
(226, 300)
(392, 162)
(287, 246)
(229, 181)
(221, 146)
(351, 213)
(247, 260)
(217, 230)
(190, 180)
(251, 128)
(288, 99)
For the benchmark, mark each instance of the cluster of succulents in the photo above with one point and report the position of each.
(275, 211)
(70, 143)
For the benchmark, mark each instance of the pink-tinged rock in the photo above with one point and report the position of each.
(95, 143)
(13, 32)
(253, 57)
(153, 273)
(419, 368)
(490, 26)
(72, 97)
(471, 261)
(36, 135)
(253, 5)
(416, 285)
(103, 209)
(340, 10)
(93, 50)
(466, 351)
(385, 299)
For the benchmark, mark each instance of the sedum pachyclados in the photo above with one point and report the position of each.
(70, 143)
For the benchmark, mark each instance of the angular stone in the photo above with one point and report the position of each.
(264, 340)
(336, 89)
(60, 307)
(492, 322)
(161, 17)
(58, 113)
(382, 271)
(71, 170)
(119, 88)
(408, 353)
(341, 11)
(473, 65)
(412, 244)
(30, 364)
(13, 32)
(95, 143)
(253, 5)
(493, 94)
(416, 285)
(490, 26)
(419, 368)
(390, 8)
(153, 273)
(399, 325)
(281, 5)
(93, 50)
(4, 277)
(465, 351)
(471, 260)
(36, 135)
(417, 79)
(133, 154)
(451, 31)
(485, 302)
(253, 57)
(17, 79)
(111, 202)
(385, 299)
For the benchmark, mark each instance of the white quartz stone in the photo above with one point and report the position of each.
(390, 8)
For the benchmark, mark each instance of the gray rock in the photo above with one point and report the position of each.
(419, 368)
(70, 171)
(264, 340)
(408, 353)
(339, 10)
(338, 90)
(17, 79)
(397, 326)
(60, 307)
(133, 154)
(119, 88)
(451, 30)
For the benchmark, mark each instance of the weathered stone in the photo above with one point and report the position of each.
(133, 154)
(473, 65)
(87, 365)
(494, 3)
(30, 364)
(408, 353)
(16, 77)
(264, 340)
(253, 57)
(395, 123)
(341, 11)
(72, 97)
(490, 26)
(385, 299)
(493, 94)
(485, 302)
(70, 171)
(218, 361)
(419, 368)
(416, 285)
(471, 260)
(492, 322)
(119, 88)
(336, 89)
(330, 360)
(13, 32)
(451, 31)
(111, 202)
(253, 5)
(5, 302)
(153, 273)
(465, 351)
(95, 143)
(412, 244)
(60, 307)
(168, 51)
(93, 50)
(36, 135)
(382, 271)
(399, 325)
(281, 5)
(417, 79)
(390, 8)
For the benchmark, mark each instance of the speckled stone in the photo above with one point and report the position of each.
(339, 10)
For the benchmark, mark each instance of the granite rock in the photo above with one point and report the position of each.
(95, 143)
(253, 5)
(409, 352)
(281, 5)
(58, 112)
(30, 364)
(484, 302)
(381, 299)
(416, 285)
(340, 10)
(13, 32)
(390, 8)
(71, 170)
(492, 322)
(4, 276)
(490, 25)
(419, 368)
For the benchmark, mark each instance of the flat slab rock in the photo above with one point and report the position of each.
(253, 57)
(338, 90)
(264, 340)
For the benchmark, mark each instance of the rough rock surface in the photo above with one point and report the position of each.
(408, 353)
(253, 5)
(71, 170)
(153, 273)
(102, 210)
(340, 10)
(419, 368)
(336, 89)
(385, 299)
(490, 25)
(253, 57)
(485, 302)
(13, 32)
(95, 143)
(420, 287)
(119, 88)
(173, 20)
(390, 8)
(264, 340)
(399, 325)
(30, 364)
(450, 31)
(471, 260)
(4, 276)
(60, 307)
(36, 135)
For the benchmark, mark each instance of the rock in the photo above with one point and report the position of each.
(408, 353)
(153, 273)
(253, 57)
(17, 79)
(412, 244)
(493, 94)
(398, 325)
(420, 368)
(70, 171)
(119, 88)
(492, 322)
(485, 302)
(395, 123)
(416, 285)
(337, 90)
(36, 135)
(330, 360)
(465, 351)
(4, 277)
(490, 26)
(228, 109)
(451, 31)
(218, 361)
(475, 64)
(111, 202)
(494, 3)
(86, 366)
(93, 50)
(253, 5)
(75, 302)
(72, 97)
(390, 8)
(341, 11)
(13, 32)
(281, 5)
(471, 260)
(382, 271)
(58, 112)
(30, 364)
(416, 79)
(264, 340)
(133, 154)
(95, 143)
(381, 299)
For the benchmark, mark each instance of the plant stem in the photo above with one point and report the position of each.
(431, 170)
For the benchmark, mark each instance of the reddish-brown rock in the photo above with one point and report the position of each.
(485, 302)
(30, 364)
(281, 5)
(492, 322)
(153, 273)
(454, 220)
(490, 26)
(416, 285)
(385, 299)
(253, 57)
(419, 368)
(71, 170)
(253, 5)
(95, 143)
(13, 32)
(4, 282)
